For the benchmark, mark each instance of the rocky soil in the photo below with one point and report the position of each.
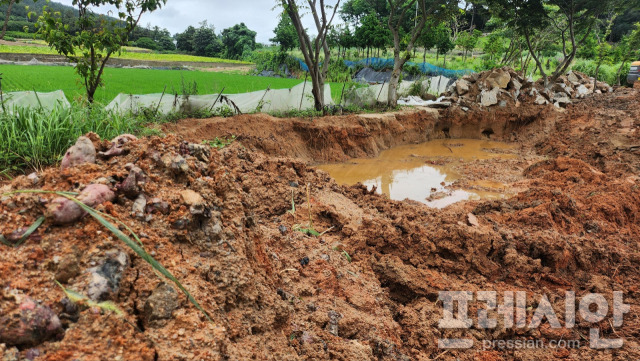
(367, 287)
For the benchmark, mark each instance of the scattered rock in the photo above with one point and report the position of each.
(12, 354)
(105, 279)
(116, 146)
(139, 207)
(332, 326)
(82, 152)
(134, 184)
(68, 268)
(27, 324)
(462, 86)
(32, 354)
(160, 305)
(489, 98)
(65, 211)
(472, 220)
(201, 152)
(194, 200)
(504, 86)
(304, 261)
(498, 78)
(179, 165)
(158, 205)
(33, 177)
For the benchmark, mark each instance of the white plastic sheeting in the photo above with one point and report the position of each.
(29, 99)
(297, 98)
(369, 96)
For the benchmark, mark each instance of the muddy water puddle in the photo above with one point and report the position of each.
(426, 172)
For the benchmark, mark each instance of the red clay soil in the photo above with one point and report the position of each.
(367, 289)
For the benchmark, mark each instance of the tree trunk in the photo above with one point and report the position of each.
(6, 19)
(424, 55)
(392, 97)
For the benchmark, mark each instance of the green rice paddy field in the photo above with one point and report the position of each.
(137, 81)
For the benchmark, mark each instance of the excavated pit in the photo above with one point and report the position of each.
(367, 288)
(426, 172)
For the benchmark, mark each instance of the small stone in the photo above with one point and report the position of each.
(294, 184)
(304, 261)
(191, 198)
(540, 100)
(572, 77)
(202, 152)
(139, 206)
(160, 305)
(33, 177)
(157, 205)
(68, 268)
(515, 84)
(105, 278)
(472, 220)
(28, 324)
(179, 165)
(134, 184)
(32, 353)
(332, 326)
(12, 354)
(283, 229)
(82, 152)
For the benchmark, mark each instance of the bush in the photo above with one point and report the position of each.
(607, 72)
(33, 138)
(146, 43)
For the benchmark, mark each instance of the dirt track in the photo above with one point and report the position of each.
(278, 294)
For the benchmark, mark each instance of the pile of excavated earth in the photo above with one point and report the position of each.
(504, 86)
(290, 265)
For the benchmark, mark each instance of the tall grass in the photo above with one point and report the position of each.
(32, 138)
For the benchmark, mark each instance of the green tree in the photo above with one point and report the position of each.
(627, 50)
(427, 39)
(444, 43)
(353, 11)
(97, 37)
(467, 41)
(237, 40)
(494, 46)
(285, 34)
(570, 21)
(399, 12)
(7, 15)
(184, 40)
(367, 33)
(165, 42)
(206, 42)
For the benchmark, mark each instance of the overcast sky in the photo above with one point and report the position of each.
(258, 15)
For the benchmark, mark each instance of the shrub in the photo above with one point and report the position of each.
(33, 138)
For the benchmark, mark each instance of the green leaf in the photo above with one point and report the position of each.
(26, 234)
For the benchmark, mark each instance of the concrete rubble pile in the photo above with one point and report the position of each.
(504, 86)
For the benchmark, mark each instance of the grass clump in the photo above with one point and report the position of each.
(33, 138)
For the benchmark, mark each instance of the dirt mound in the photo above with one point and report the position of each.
(505, 86)
(325, 272)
